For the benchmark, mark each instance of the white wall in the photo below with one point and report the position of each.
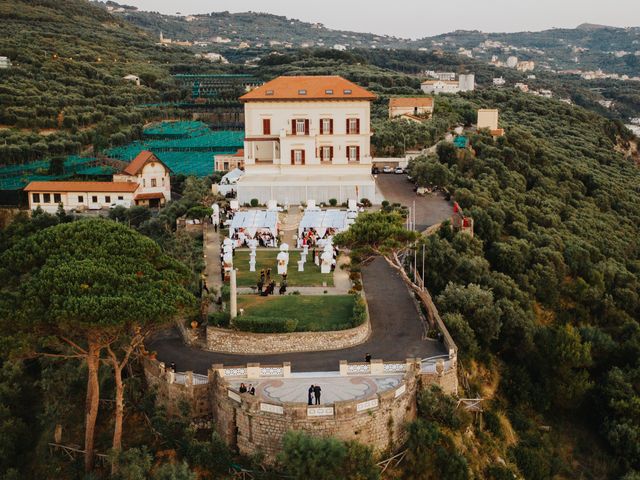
(150, 171)
(72, 201)
(282, 113)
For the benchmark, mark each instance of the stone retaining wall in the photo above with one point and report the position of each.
(232, 341)
(253, 425)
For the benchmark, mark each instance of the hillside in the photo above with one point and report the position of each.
(587, 47)
(254, 28)
(65, 88)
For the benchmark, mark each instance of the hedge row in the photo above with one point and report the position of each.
(254, 324)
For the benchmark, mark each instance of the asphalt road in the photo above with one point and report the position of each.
(397, 334)
(430, 209)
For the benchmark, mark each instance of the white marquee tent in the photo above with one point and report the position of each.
(253, 222)
(322, 220)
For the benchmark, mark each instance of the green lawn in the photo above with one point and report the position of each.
(311, 277)
(313, 313)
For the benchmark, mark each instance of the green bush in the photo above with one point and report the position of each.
(359, 315)
(254, 324)
(365, 202)
(333, 202)
(254, 202)
(436, 406)
(219, 319)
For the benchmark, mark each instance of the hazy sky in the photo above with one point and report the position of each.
(419, 18)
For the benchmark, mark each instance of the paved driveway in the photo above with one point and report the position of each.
(430, 209)
(397, 334)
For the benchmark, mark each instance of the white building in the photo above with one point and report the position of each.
(441, 75)
(499, 81)
(523, 87)
(526, 66)
(152, 177)
(436, 87)
(307, 137)
(79, 195)
(5, 62)
(145, 181)
(465, 83)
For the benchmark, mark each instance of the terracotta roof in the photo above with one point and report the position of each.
(239, 153)
(137, 163)
(81, 187)
(149, 196)
(411, 102)
(498, 132)
(308, 88)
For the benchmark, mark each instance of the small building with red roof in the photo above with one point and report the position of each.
(145, 181)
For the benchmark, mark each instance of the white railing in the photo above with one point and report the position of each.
(235, 372)
(428, 365)
(395, 367)
(358, 369)
(271, 372)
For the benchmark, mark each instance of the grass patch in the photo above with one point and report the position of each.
(312, 313)
(311, 277)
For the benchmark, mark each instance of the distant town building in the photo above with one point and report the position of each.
(523, 87)
(212, 57)
(132, 78)
(412, 108)
(339, 47)
(512, 62)
(488, 119)
(5, 62)
(525, 66)
(440, 86)
(499, 81)
(465, 83)
(445, 76)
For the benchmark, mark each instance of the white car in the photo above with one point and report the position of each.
(387, 169)
(399, 170)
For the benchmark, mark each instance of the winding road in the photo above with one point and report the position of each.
(397, 334)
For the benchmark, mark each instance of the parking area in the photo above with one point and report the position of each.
(430, 209)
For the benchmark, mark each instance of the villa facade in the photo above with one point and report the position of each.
(307, 138)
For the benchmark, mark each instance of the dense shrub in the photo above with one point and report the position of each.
(219, 319)
(249, 323)
(359, 315)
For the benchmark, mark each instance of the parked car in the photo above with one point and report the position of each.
(387, 169)
(399, 170)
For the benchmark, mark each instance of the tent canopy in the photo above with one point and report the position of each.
(254, 220)
(231, 177)
(321, 220)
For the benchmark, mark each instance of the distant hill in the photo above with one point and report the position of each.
(587, 47)
(251, 27)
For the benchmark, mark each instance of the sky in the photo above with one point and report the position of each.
(421, 18)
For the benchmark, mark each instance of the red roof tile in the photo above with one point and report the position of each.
(81, 187)
(308, 88)
(140, 161)
(411, 102)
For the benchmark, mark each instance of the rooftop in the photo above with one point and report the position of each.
(81, 187)
(141, 159)
(308, 88)
(411, 102)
